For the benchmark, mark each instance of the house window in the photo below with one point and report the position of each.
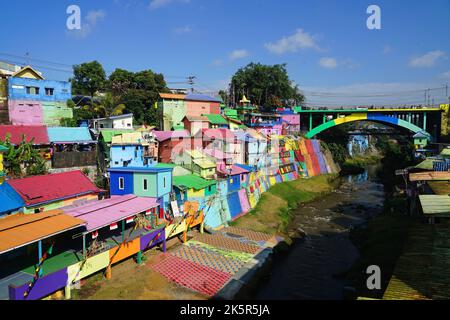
(123, 148)
(33, 90)
(121, 183)
(49, 91)
(231, 181)
(164, 182)
(209, 188)
(145, 185)
(242, 178)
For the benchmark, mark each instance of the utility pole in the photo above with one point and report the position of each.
(191, 82)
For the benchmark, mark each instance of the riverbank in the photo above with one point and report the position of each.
(274, 211)
(357, 165)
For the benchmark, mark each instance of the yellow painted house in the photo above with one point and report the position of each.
(201, 164)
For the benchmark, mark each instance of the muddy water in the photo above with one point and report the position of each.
(314, 266)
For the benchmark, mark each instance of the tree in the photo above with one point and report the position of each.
(266, 85)
(88, 79)
(109, 106)
(23, 159)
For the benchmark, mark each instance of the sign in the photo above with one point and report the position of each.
(175, 210)
(113, 226)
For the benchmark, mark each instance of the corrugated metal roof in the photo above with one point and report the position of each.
(19, 230)
(166, 135)
(10, 200)
(233, 171)
(39, 133)
(192, 181)
(216, 119)
(142, 169)
(52, 187)
(3, 148)
(435, 205)
(108, 134)
(201, 97)
(61, 134)
(129, 138)
(429, 176)
(104, 212)
(172, 96)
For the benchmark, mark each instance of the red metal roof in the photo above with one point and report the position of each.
(39, 133)
(53, 187)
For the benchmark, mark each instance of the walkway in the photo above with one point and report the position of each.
(208, 262)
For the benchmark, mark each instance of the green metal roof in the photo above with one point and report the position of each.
(109, 134)
(192, 181)
(427, 164)
(165, 165)
(216, 119)
(445, 152)
(435, 205)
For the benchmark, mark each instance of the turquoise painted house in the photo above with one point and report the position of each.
(152, 182)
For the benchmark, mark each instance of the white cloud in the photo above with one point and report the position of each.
(387, 49)
(299, 40)
(238, 54)
(183, 30)
(329, 63)
(156, 4)
(427, 60)
(217, 62)
(445, 75)
(89, 23)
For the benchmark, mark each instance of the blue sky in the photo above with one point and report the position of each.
(328, 49)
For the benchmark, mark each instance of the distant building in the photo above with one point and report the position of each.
(124, 121)
(172, 144)
(265, 123)
(174, 107)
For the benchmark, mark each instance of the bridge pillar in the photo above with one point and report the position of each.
(409, 117)
(310, 121)
(324, 119)
(424, 121)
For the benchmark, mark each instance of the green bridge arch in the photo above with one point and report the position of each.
(364, 117)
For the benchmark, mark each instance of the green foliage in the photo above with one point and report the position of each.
(88, 79)
(23, 160)
(266, 85)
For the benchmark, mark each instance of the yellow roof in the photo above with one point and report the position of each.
(26, 71)
(244, 100)
(200, 159)
(129, 138)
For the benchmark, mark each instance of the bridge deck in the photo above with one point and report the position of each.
(387, 110)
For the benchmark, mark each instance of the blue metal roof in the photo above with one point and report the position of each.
(69, 134)
(10, 200)
(201, 97)
(246, 167)
(140, 169)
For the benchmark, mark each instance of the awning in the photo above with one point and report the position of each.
(19, 230)
(103, 213)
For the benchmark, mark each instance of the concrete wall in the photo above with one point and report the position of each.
(128, 154)
(25, 112)
(62, 90)
(173, 113)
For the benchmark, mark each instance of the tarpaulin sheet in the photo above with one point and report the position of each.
(245, 205)
(234, 204)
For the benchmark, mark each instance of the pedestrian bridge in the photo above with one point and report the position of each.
(413, 119)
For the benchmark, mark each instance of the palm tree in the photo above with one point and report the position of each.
(109, 106)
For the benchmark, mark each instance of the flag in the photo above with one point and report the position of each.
(94, 234)
(129, 220)
(113, 226)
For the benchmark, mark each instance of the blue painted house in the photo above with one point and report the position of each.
(153, 182)
(236, 177)
(131, 149)
(32, 100)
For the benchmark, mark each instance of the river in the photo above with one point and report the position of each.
(315, 264)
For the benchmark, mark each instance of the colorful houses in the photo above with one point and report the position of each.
(133, 149)
(34, 100)
(172, 144)
(199, 163)
(265, 123)
(174, 107)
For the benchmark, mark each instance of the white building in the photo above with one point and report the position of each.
(124, 121)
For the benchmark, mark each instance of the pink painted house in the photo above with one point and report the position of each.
(25, 112)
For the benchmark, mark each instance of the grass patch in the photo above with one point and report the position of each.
(357, 165)
(274, 211)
